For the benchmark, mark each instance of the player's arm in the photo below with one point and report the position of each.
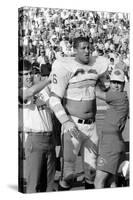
(60, 113)
(44, 96)
(60, 78)
(103, 73)
(59, 82)
(29, 92)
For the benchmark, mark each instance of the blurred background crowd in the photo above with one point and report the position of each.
(46, 34)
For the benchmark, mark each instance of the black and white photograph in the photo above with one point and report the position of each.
(66, 108)
(74, 76)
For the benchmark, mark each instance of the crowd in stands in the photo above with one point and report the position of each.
(46, 34)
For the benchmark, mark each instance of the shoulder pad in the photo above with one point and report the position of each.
(67, 63)
(100, 64)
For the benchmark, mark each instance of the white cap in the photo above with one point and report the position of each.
(117, 75)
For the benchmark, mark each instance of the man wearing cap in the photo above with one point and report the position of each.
(111, 145)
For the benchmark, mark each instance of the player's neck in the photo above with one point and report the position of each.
(80, 62)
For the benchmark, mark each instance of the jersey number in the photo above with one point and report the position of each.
(54, 79)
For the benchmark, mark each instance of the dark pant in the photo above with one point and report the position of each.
(39, 164)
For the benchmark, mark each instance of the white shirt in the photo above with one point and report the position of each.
(34, 115)
(41, 60)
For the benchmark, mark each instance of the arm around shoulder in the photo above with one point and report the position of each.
(100, 94)
(29, 92)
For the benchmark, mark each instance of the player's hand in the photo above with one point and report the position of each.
(71, 128)
(91, 146)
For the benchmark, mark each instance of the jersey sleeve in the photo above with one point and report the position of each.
(101, 65)
(60, 77)
(45, 94)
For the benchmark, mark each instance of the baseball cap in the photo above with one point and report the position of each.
(117, 75)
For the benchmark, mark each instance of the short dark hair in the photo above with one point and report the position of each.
(36, 70)
(24, 65)
(78, 40)
(35, 64)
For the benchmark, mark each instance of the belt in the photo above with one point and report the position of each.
(38, 133)
(86, 121)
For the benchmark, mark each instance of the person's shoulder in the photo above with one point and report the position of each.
(99, 63)
(101, 59)
(21, 101)
(97, 60)
(111, 96)
(117, 94)
(125, 95)
(64, 63)
(64, 60)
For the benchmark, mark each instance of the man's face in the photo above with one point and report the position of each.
(26, 78)
(83, 52)
(117, 86)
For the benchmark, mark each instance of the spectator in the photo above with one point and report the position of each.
(64, 43)
(45, 68)
(111, 145)
(31, 56)
(111, 65)
(42, 58)
(50, 53)
(95, 51)
(35, 131)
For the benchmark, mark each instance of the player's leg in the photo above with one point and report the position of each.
(89, 164)
(89, 153)
(70, 148)
(101, 177)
